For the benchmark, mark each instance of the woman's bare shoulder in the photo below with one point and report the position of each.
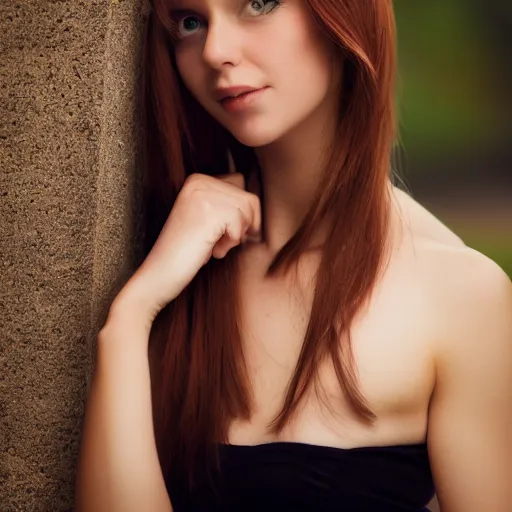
(466, 319)
(466, 289)
(423, 224)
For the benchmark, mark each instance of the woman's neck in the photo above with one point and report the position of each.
(291, 170)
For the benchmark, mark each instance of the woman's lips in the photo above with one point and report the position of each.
(242, 101)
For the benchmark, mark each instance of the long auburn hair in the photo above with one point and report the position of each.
(198, 372)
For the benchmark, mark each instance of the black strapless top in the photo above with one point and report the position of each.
(294, 476)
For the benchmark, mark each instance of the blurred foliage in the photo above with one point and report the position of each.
(453, 92)
(447, 69)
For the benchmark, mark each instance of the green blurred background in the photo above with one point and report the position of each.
(454, 101)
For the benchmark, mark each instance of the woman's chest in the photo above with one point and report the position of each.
(391, 359)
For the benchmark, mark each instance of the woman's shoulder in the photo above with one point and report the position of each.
(470, 296)
(465, 321)
(442, 255)
(422, 224)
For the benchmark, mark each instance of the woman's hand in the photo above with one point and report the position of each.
(211, 215)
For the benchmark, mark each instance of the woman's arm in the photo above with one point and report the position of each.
(119, 470)
(470, 419)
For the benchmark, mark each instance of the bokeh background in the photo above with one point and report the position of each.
(455, 109)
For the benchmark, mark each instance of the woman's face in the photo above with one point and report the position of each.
(273, 47)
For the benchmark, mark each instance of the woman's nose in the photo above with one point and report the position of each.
(223, 44)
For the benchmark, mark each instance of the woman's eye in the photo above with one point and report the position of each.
(188, 25)
(258, 7)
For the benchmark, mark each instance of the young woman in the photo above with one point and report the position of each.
(301, 335)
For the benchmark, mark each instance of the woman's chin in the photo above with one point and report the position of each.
(253, 138)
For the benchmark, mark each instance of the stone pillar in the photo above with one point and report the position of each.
(68, 147)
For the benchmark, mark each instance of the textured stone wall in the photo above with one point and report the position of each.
(69, 160)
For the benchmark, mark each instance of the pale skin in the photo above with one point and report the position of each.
(434, 347)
